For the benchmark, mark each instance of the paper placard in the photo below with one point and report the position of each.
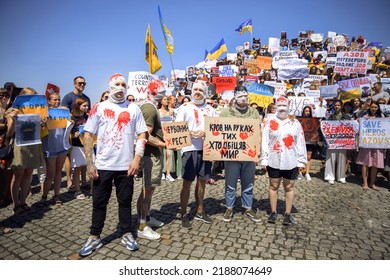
(176, 135)
(374, 133)
(233, 139)
(58, 118)
(32, 104)
(340, 134)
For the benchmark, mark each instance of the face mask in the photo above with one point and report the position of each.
(242, 101)
(197, 102)
(282, 112)
(113, 91)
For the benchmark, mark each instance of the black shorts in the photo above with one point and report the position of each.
(194, 166)
(287, 174)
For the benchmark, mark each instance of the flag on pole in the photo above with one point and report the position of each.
(216, 52)
(245, 26)
(151, 56)
(167, 34)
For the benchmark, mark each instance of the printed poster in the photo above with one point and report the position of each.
(32, 104)
(58, 118)
(28, 129)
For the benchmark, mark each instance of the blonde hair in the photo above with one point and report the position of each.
(28, 91)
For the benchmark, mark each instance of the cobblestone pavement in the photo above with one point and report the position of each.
(338, 221)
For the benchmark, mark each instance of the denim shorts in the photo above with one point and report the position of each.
(48, 154)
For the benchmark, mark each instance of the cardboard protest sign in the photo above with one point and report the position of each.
(231, 139)
(340, 134)
(224, 83)
(138, 84)
(311, 128)
(298, 103)
(292, 69)
(51, 89)
(32, 104)
(260, 94)
(176, 134)
(58, 118)
(374, 133)
(351, 62)
(252, 66)
(264, 62)
(28, 129)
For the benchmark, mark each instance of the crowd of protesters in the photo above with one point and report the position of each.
(117, 140)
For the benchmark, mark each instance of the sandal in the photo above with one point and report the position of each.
(375, 188)
(79, 195)
(7, 230)
(57, 200)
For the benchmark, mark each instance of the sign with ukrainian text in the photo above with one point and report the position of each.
(260, 94)
(340, 135)
(231, 139)
(58, 118)
(351, 62)
(32, 104)
(374, 133)
(176, 135)
(224, 83)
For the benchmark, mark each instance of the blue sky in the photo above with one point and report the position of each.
(54, 41)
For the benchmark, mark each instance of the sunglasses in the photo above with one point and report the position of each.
(4, 96)
(105, 97)
(131, 99)
(209, 103)
(81, 83)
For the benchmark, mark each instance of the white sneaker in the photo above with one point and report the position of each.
(308, 178)
(148, 233)
(331, 182)
(154, 223)
(170, 178)
(342, 181)
(163, 176)
(300, 176)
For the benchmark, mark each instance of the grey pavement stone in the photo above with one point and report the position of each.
(330, 222)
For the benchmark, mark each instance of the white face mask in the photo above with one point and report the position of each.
(242, 101)
(282, 112)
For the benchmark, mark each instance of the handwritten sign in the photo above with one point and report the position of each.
(231, 139)
(58, 118)
(351, 62)
(298, 103)
(374, 133)
(138, 84)
(264, 62)
(311, 128)
(224, 83)
(227, 70)
(340, 134)
(32, 104)
(176, 135)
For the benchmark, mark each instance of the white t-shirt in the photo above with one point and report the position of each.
(195, 116)
(115, 126)
(283, 144)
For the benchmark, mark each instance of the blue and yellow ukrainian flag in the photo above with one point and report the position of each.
(219, 49)
(245, 26)
(167, 34)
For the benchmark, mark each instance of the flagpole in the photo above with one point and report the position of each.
(173, 68)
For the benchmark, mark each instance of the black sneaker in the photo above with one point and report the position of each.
(185, 221)
(203, 217)
(287, 219)
(272, 218)
(252, 216)
(227, 217)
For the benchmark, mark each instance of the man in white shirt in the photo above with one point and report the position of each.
(115, 123)
(194, 167)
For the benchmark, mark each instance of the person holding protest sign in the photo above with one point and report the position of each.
(55, 154)
(283, 152)
(25, 160)
(194, 167)
(152, 161)
(371, 158)
(243, 170)
(115, 122)
(338, 156)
